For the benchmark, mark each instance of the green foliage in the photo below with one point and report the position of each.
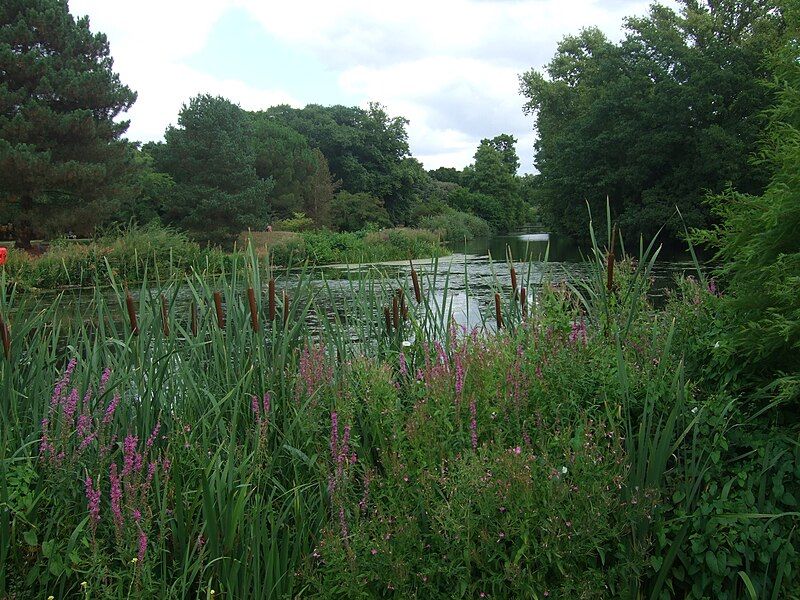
(456, 226)
(127, 254)
(61, 156)
(322, 247)
(366, 149)
(657, 120)
(758, 248)
(354, 212)
(211, 157)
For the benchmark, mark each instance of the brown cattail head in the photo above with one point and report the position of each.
(285, 308)
(498, 310)
(164, 315)
(272, 299)
(523, 300)
(388, 318)
(194, 319)
(131, 313)
(514, 281)
(251, 298)
(415, 281)
(218, 307)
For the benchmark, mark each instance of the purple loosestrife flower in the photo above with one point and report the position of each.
(62, 384)
(110, 409)
(129, 454)
(70, 406)
(142, 545)
(459, 375)
(92, 501)
(473, 424)
(255, 407)
(334, 435)
(153, 435)
(104, 381)
(116, 497)
(403, 365)
(343, 524)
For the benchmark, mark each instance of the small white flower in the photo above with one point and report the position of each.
(406, 343)
(716, 345)
(563, 470)
(694, 410)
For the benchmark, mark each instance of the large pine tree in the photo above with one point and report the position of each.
(62, 158)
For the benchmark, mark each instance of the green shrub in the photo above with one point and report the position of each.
(456, 226)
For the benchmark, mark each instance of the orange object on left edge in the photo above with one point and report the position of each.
(3, 256)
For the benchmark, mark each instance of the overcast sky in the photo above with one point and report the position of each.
(449, 66)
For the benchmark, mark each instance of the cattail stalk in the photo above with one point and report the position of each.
(514, 281)
(164, 315)
(285, 308)
(218, 307)
(395, 313)
(523, 300)
(498, 311)
(251, 297)
(388, 317)
(415, 281)
(610, 260)
(132, 313)
(403, 308)
(272, 299)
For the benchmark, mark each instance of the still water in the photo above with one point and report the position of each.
(477, 269)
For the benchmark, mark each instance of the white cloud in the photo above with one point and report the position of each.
(450, 66)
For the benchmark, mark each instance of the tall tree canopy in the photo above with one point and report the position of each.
(62, 159)
(366, 149)
(658, 120)
(211, 157)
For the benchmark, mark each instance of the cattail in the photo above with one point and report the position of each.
(403, 307)
(5, 336)
(514, 281)
(498, 313)
(132, 313)
(395, 313)
(251, 297)
(415, 280)
(610, 282)
(388, 319)
(218, 307)
(193, 317)
(523, 299)
(285, 308)
(164, 315)
(271, 299)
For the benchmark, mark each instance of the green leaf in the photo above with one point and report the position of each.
(751, 590)
(30, 538)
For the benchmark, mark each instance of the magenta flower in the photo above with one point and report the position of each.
(116, 496)
(110, 409)
(142, 545)
(92, 501)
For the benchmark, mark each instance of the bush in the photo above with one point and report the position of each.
(354, 212)
(456, 226)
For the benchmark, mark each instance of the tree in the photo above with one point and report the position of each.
(366, 149)
(354, 212)
(62, 156)
(211, 157)
(494, 184)
(320, 190)
(658, 120)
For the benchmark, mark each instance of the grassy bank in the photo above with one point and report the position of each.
(157, 253)
(218, 453)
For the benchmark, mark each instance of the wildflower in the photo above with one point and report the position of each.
(70, 405)
(84, 584)
(153, 435)
(563, 470)
(110, 409)
(129, 454)
(116, 496)
(93, 501)
(142, 545)
(374, 551)
(406, 343)
(473, 424)
(134, 560)
(517, 450)
(403, 364)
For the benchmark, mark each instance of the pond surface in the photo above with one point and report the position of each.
(468, 278)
